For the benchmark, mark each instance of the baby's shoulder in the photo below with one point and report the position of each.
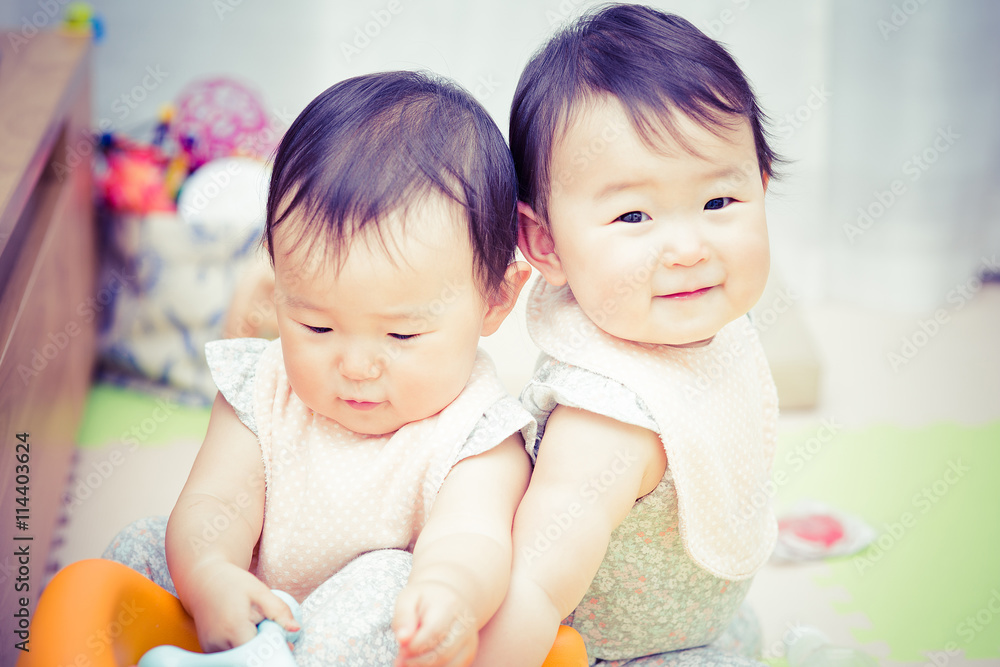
(556, 383)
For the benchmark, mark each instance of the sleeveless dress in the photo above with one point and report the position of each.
(342, 510)
(332, 494)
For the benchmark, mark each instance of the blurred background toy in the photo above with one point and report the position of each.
(132, 181)
(184, 213)
(221, 117)
(80, 16)
(185, 265)
(812, 530)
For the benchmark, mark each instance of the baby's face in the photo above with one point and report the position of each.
(659, 246)
(391, 337)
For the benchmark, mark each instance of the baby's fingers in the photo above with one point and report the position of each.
(406, 618)
(429, 631)
(226, 634)
(274, 608)
(456, 652)
(440, 635)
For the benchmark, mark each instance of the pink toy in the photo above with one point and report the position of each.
(812, 530)
(818, 528)
(133, 180)
(218, 118)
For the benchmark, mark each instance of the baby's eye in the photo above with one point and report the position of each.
(319, 330)
(399, 336)
(717, 203)
(633, 216)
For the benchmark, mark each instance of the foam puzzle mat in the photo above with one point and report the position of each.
(929, 585)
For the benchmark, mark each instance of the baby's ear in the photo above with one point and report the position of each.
(537, 246)
(503, 302)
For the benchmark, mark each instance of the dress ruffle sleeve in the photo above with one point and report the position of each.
(501, 420)
(557, 383)
(233, 364)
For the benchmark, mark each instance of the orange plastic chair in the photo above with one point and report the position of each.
(99, 613)
(568, 649)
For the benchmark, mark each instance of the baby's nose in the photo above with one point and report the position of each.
(357, 364)
(683, 245)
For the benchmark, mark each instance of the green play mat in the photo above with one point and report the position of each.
(929, 581)
(114, 414)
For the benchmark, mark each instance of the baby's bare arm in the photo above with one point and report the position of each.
(589, 472)
(461, 561)
(212, 533)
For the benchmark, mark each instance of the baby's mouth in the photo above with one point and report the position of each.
(681, 296)
(362, 405)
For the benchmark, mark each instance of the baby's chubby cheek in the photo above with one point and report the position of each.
(609, 310)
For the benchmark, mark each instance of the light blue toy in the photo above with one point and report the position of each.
(268, 649)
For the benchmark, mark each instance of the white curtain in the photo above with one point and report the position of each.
(913, 209)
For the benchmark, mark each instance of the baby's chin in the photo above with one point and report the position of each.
(694, 343)
(361, 424)
(681, 342)
(373, 428)
(376, 425)
(698, 337)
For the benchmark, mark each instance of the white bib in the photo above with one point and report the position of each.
(716, 409)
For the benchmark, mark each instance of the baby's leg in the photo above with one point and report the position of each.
(140, 545)
(347, 620)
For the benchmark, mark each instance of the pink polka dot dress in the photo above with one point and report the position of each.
(332, 494)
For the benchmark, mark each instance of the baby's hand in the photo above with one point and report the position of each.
(230, 604)
(434, 626)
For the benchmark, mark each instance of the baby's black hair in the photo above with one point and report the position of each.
(375, 144)
(653, 63)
